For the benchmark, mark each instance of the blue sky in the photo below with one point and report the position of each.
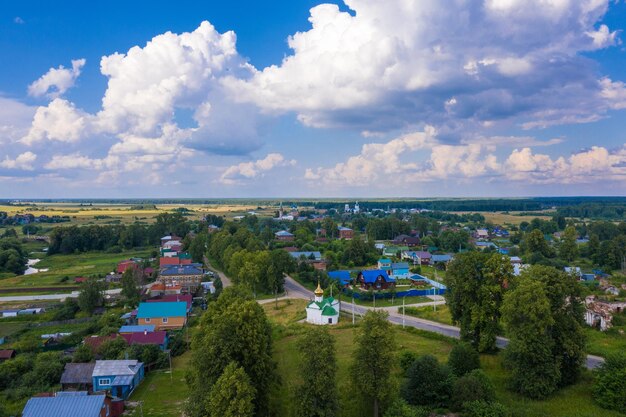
(309, 99)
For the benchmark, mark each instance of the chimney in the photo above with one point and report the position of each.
(145, 332)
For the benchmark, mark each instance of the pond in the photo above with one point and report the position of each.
(30, 264)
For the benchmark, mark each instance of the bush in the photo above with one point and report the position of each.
(474, 386)
(463, 359)
(485, 409)
(400, 408)
(609, 389)
(83, 354)
(428, 383)
(406, 360)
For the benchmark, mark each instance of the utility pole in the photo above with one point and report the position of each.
(435, 301)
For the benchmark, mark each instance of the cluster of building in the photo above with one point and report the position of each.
(600, 313)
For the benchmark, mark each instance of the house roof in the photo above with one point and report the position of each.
(329, 311)
(344, 229)
(297, 255)
(420, 254)
(400, 265)
(174, 297)
(342, 276)
(441, 258)
(164, 309)
(173, 270)
(64, 406)
(283, 233)
(146, 338)
(371, 275)
(77, 373)
(116, 367)
(384, 260)
(94, 342)
(7, 353)
(137, 328)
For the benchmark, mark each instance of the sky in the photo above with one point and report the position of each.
(353, 99)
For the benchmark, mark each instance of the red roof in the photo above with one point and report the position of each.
(169, 261)
(174, 297)
(7, 354)
(94, 342)
(80, 279)
(145, 338)
(124, 265)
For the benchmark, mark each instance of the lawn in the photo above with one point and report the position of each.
(74, 265)
(163, 394)
(386, 302)
(8, 328)
(440, 315)
(606, 343)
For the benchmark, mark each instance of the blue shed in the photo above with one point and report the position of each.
(120, 377)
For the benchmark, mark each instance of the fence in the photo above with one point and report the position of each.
(398, 294)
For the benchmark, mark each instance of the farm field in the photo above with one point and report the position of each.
(512, 217)
(70, 266)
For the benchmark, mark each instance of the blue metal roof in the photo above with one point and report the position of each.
(370, 275)
(165, 309)
(137, 329)
(181, 270)
(297, 255)
(122, 381)
(441, 258)
(64, 406)
(342, 276)
(400, 265)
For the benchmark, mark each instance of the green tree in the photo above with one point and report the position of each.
(567, 310)
(317, 395)
(609, 388)
(373, 359)
(568, 250)
(83, 354)
(474, 386)
(400, 408)
(428, 383)
(485, 409)
(535, 243)
(91, 295)
(476, 283)
(232, 395)
(529, 355)
(112, 349)
(234, 329)
(463, 358)
(130, 287)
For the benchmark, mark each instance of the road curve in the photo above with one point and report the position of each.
(296, 290)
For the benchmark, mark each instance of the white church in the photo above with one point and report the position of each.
(322, 310)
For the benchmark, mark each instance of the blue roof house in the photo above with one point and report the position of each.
(120, 377)
(384, 263)
(79, 404)
(137, 329)
(376, 279)
(342, 276)
(400, 269)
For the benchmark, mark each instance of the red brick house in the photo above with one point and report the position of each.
(345, 233)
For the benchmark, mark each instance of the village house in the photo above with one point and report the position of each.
(419, 257)
(157, 338)
(444, 259)
(406, 240)
(322, 311)
(390, 251)
(188, 276)
(77, 377)
(63, 404)
(399, 269)
(213, 228)
(119, 377)
(284, 236)
(376, 279)
(164, 316)
(6, 354)
(342, 277)
(312, 256)
(136, 328)
(345, 233)
(481, 234)
(600, 313)
(187, 298)
(385, 264)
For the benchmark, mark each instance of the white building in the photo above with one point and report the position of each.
(322, 310)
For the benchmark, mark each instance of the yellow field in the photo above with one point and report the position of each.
(512, 217)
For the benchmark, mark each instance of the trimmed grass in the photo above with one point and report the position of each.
(288, 311)
(164, 394)
(441, 315)
(74, 265)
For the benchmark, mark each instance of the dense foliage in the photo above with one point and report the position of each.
(12, 256)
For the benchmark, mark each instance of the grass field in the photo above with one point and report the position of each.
(440, 315)
(71, 266)
(606, 343)
(163, 393)
(513, 217)
(8, 328)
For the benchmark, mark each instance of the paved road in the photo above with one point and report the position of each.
(296, 290)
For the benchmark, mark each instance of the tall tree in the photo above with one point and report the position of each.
(476, 283)
(528, 319)
(373, 359)
(91, 295)
(234, 329)
(317, 395)
(567, 310)
(232, 395)
(609, 388)
(568, 250)
(130, 287)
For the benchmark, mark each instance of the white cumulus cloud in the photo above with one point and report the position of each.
(250, 170)
(23, 161)
(56, 81)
